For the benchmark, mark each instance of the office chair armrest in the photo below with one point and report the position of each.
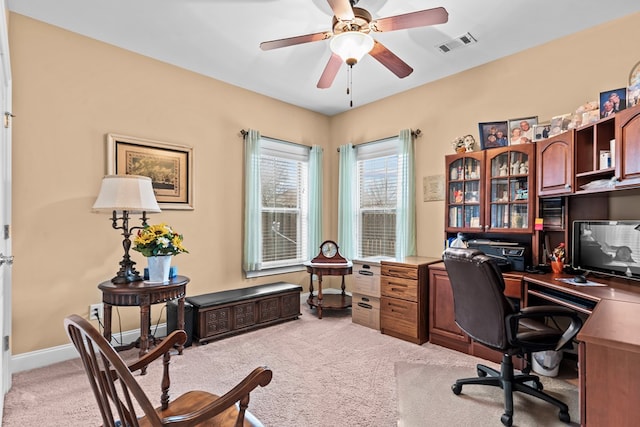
(176, 337)
(260, 376)
(543, 312)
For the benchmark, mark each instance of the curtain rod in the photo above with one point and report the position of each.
(245, 132)
(415, 133)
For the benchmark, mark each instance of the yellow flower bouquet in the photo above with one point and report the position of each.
(158, 240)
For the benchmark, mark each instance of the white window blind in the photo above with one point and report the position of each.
(284, 213)
(377, 165)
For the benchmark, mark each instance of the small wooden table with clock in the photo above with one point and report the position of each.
(329, 262)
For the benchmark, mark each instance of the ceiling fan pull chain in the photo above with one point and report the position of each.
(350, 85)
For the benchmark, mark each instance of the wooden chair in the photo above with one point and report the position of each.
(119, 395)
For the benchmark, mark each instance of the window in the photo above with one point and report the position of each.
(283, 210)
(284, 180)
(377, 169)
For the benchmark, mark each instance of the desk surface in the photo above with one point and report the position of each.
(614, 289)
(615, 320)
(613, 324)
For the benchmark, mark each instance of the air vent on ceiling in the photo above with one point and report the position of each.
(458, 42)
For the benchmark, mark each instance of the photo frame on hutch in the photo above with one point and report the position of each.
(170, 167)
(634, 75)
(612, 101)
(541, 131)
(493, 134)
(633, 95)
(521, 130)
(559, 124)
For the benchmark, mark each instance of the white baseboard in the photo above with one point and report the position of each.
(48, 356)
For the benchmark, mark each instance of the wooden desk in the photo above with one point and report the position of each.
(329, 301)
(609, 344)
(143, 295)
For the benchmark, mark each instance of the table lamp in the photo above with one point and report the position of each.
(123, 195)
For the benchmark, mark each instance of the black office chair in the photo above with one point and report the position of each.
(488, 317)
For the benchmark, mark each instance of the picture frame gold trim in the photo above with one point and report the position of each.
(170, 167)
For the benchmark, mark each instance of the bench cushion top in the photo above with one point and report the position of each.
(223, 297)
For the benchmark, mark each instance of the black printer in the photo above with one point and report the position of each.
(510, 256)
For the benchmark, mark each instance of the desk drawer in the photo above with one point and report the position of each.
(366, 279)
(399, 316)
(366, 311)
(396, 287)
(513, 288)
(407, 272)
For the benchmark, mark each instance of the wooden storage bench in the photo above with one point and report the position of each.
(220, 314)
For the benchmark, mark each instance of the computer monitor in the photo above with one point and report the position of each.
(607, 247)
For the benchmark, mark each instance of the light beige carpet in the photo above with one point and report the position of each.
(425, 399)
(328, 372)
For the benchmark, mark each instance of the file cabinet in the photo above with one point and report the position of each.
(404, 301)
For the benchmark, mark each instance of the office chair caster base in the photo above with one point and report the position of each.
(535, 384)
(564, 417)
(456, 389)
(507, 420)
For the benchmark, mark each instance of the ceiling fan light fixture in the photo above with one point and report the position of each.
(351, 46)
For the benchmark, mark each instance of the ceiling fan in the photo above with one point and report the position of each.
(351, 37)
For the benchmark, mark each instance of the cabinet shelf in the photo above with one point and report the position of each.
(597, 173)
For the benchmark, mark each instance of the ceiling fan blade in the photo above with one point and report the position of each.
(422, 18)
(330, 71)
(275, 44)
(341, 9)
(387, 58)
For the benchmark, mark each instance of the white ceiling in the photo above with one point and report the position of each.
(220, 38)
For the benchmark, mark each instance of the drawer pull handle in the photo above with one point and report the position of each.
(398, 284)
(365, 299)
(365, 273)
(363, 305)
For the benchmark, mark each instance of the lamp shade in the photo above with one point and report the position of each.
(351, 46)
(131, 193)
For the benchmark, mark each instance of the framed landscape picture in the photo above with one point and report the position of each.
(170, 167)
(493, 134)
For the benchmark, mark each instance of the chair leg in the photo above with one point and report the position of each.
(509, 383)
(483, 371)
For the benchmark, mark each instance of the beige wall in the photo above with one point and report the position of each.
(69, 91)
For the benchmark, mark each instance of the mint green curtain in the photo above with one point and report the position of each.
(347, 210)
(252, 251)
(406, 207)
(315, 200)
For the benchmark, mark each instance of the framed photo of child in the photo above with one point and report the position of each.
(493, 134)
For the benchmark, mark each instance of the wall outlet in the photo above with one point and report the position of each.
(95, 311)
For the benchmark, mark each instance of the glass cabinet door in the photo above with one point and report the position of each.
(509, 180)
(464, 191)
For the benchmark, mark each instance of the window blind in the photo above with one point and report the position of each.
(377, 168)
(284, 212)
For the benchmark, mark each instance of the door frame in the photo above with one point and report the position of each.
(5, 204)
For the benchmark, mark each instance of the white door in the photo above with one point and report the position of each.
(5, 207)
